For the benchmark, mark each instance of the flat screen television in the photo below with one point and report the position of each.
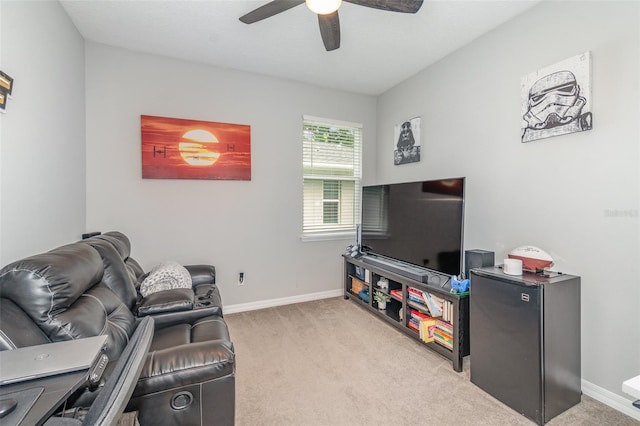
(416, 222)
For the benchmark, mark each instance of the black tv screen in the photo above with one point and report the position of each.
(417, 222)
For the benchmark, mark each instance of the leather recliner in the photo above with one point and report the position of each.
(68, 293)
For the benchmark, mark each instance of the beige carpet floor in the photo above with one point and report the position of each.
(330, 362)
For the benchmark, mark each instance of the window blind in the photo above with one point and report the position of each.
(331, 161)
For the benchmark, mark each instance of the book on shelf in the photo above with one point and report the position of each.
(443, 338)
(434, 308)
(443, 343)
(427, 330)
(445, 310)
(363, 273)
(415, 299)
(423, 324)
(443, 334)
(415, 294)
(357, 286)
(436, 305)
(414, 291)
(418, 315)
(439, 301)
(396, 293)
(445, 326)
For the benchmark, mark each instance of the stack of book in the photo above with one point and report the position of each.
(422, 324)
(416, 296)
(415, 318)
(436, 326)
(443, 333)
(437, 306)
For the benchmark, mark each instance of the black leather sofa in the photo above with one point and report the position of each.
(89, 288)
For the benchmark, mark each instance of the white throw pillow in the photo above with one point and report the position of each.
(165, 276)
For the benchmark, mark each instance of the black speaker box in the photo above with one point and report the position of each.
(477, 259)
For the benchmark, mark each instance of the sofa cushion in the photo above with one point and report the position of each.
(185, 365)
(123, 245)
(116, 274)
(207, 328)
(46, 284)
(62, 292)
(183, 354)
(135, 270)
(98, 312)
(118, 240)
(176, 335)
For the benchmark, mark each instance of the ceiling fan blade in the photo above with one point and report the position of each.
(330, 30)
(404, 6)
(269, 9)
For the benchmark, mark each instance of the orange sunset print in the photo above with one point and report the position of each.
(174, 148)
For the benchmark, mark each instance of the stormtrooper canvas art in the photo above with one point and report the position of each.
(556, 100)
(407, 142)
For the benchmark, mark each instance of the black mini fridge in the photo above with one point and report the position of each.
(525, 340)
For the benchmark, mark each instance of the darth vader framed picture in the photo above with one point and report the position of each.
(407, 145)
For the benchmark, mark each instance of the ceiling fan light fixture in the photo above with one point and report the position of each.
(323, 7)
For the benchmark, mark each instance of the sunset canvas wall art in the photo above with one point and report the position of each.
(174, 148)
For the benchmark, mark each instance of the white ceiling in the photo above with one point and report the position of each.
(378, 49)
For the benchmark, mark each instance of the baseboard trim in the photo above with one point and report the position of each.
(611, 399)
(598, 393)
(262, 304)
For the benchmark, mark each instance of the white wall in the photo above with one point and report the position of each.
(42, 151)
(250, 226)
(555, 193)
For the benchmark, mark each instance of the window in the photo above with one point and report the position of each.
(331, 202)
(331, 152)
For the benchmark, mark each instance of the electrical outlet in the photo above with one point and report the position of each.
(241, 278)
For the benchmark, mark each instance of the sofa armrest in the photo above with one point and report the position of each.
(202, 274)
(174, 300)
(168, 319)
(185, 365)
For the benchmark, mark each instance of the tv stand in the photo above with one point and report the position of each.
(404, 282)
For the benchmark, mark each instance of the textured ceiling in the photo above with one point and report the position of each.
(378, 50)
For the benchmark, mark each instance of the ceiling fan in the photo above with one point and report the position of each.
(327, 11)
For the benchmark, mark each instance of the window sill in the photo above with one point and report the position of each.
(329, 236)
